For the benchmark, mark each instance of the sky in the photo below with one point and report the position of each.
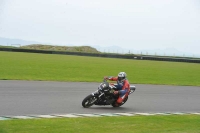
(130, 24)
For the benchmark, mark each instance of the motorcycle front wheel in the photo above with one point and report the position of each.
(89, 101)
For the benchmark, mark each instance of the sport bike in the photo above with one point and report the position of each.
(104, 95)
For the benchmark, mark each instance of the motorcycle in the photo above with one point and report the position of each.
(104, 95)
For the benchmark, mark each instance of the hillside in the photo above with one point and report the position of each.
(61, 48)
(19, 43)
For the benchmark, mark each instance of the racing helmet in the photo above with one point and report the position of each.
(121, 76)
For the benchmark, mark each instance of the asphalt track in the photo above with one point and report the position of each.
(43, 97)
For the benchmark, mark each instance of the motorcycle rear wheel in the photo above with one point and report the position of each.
(88, 101)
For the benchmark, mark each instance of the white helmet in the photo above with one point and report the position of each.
(121, 76)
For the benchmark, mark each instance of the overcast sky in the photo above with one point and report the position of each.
(134, 24)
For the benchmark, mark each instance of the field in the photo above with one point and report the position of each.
(126, 124)
(29, 66)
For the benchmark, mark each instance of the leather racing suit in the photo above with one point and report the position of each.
(123, 88)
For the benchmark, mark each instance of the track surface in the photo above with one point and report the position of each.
(41, 98)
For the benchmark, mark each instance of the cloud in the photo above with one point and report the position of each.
(132, 24)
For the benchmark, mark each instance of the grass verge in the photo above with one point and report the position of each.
(135, 124)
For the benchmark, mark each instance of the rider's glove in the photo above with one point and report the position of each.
(116, 92)
(105, 78)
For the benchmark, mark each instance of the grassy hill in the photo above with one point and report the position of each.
(62, 48)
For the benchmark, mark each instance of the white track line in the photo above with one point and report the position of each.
(94, 115)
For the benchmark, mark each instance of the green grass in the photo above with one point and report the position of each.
(30, 66)
(135, 124)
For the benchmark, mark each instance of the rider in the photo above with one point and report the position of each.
(122, 86)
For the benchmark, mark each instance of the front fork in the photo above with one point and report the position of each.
(97, 94)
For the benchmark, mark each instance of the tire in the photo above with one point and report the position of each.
(114, 105)
(89, 101)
